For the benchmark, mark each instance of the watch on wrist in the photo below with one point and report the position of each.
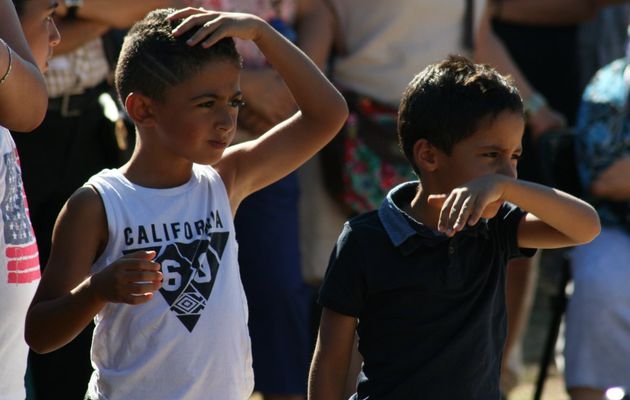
(73, 7)
(534, 103)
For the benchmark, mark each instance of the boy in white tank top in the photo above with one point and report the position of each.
(148, 250)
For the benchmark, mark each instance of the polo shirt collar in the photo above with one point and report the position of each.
(407, 233)
(397, 223)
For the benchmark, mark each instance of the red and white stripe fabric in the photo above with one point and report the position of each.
(19, 270)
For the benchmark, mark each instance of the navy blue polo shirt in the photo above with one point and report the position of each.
(430, 309)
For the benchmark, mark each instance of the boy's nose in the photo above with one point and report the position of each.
(508, 168)
(226, 119)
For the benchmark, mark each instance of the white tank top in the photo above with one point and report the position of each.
(191, 340)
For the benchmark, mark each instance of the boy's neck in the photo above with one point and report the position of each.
(146, 168)
(420, 210)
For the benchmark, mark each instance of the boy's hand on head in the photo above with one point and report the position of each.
(131, 279)
(213, 26)
(479, 198)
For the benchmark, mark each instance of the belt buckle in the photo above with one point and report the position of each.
(65, 107)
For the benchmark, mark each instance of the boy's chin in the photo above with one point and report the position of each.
(491, 210)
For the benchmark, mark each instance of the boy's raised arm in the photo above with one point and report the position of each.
(252, 165)
(331, 360)
(555, 218)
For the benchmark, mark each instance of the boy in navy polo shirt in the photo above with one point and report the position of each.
(421, 280)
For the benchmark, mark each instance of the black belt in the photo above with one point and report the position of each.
(73, 105)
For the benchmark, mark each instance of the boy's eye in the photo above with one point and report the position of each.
(237, 103)
(232, 103)
(206, 104)
(492, 154)
(517, 156)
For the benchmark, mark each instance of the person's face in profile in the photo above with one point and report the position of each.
(40, 29)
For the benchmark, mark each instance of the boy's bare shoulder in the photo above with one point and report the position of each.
(85, 196)
(82, 220)
(85, 204)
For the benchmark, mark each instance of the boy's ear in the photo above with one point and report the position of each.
(140, 109)
(425, 155)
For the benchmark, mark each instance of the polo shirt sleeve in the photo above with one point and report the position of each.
(508, 218)
(343, 289)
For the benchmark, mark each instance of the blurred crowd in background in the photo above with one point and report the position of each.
(568, 58)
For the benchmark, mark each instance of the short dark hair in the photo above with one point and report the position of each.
(19, 6)
(152, 59)
(447, 101)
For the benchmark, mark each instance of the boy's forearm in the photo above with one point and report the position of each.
(326, 382)
(322, 389)
(570, 216)
(51, 324)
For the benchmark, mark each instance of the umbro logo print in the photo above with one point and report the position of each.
(189, 271)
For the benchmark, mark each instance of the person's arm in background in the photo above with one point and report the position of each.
(557, 12)
(120, 14)
(315, 26)
(24, 85)
(267, 97)
(76, 32)
(545, 12)
(95, 17)
(490, 50)
(613, 183)
(602, 158)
